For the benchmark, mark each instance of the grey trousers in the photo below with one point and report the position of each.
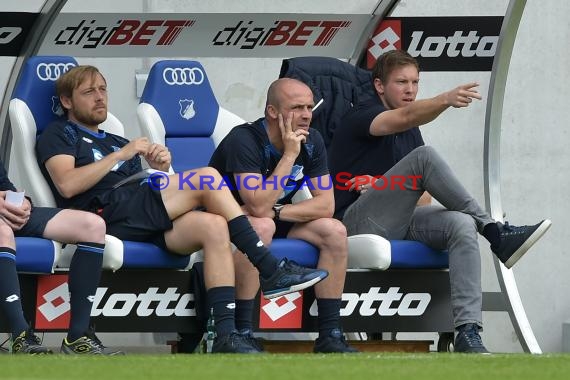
(392, 214)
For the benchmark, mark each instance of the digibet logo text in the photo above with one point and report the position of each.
(126, 32)
(246, 35)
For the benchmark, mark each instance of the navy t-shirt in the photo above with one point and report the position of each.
(246, 149)
(354, 151)
(87, 147)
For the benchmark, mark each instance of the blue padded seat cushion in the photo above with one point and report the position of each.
(300, 251)
(34, 255)
(139, 255)
(409, 254)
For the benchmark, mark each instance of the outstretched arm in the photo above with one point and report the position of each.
(423, 111)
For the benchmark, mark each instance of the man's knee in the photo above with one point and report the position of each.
(208, 175)
(334, 235)
(461, 225)
(264, 227)
(94, 227)
(213, 227)
(6, 235)
(205, 178)
(336, 229)
(425, 151)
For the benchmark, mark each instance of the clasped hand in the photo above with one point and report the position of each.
(15, 217)
(154, 154)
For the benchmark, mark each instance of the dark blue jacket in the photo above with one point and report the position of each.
(5, 183)
(338, 83)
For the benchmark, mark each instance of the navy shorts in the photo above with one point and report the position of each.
(39, 218)
(137, 213)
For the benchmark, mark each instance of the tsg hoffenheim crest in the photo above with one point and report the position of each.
(187, 108)
(56, 106)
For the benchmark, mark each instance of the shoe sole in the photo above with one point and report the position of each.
(249, 352)
(473, 352)
(48, 352)
(536, 235)
(68, 351)
(294, 288)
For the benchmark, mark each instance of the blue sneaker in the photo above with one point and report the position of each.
(334, 343)
(233, 343)
(468, 340)
(256, 343)
(515, 241)
(290, 277)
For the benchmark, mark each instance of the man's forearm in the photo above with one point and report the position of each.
(413, 115)
(306, 211)
(423, 111)
(269, 190)
(78, 180)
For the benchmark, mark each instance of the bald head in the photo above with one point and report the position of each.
(284, 87)
(291, 101)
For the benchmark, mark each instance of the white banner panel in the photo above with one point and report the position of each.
(204, 35)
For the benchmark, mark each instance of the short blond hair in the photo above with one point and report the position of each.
(73, 78)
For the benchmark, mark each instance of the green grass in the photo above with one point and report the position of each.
(365, 366)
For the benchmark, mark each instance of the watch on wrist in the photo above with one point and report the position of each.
(277, 210)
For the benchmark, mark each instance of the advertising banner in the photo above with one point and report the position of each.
(204, 35)
(164, 301)
(14, 28)
(439, 43)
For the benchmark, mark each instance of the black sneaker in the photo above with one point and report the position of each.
(28, 343)
(233, 343)
(516, 241)
(468, 340)
(290, 277)
(334, 343)
(88, 344)
(256, 343)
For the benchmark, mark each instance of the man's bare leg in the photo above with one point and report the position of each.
(195, 230)
(329, 236)
(203, 187)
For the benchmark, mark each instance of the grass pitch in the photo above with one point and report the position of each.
(363, 366)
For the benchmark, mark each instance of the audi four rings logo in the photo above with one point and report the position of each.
(180, 76)
(52, 71)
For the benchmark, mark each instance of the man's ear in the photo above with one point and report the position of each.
(272, 112)
(65, 102)
(378, 86)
